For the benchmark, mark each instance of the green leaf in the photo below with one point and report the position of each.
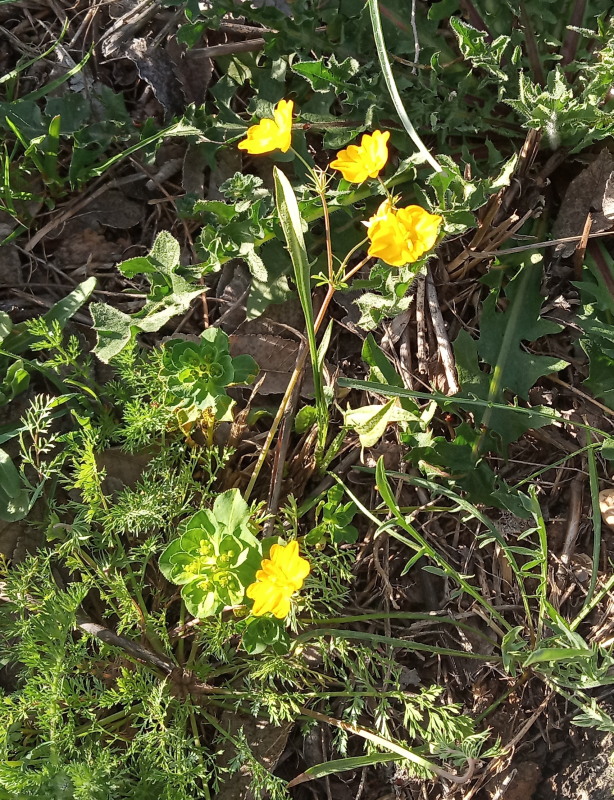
(230, 510)
(221, 210)
(342, 765)
(321, 76)
(6, 325)
(170, 294)
(306, 418)
(550, 654)
(25, 115)
(370, 422)
(114, 330)
(607, 449)
(199, 602)
(479, 49)
(269, 271)
(503, 332)
(18, 340)
(506, 423)
(14, 500)
(292, 225)
(140, 265)
(15, 381)
(165, 252)
(10, 482)
(245, 369)
(262, 633)
(382, 370)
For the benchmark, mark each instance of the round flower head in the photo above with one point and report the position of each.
(400, 236)
(271, 134)
(359, 162)
(279, 578)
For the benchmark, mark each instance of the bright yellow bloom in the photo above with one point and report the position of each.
(271, 134)
(359, 162)
(400, 236)
(280, 577)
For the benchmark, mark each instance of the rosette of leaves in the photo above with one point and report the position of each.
(215, 557)
(198, 372)
(262, 633)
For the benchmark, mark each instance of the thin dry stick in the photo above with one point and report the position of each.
(491, 211)
(405, 359)
(443, 342)
(498, 762)
(341, 469)
(230, 48)
(134, 649)
(109, 637)
(421, 353)
(578, 256)
(550, 243)
(292, 383)
(381, 541)
(503, 232)
(553, 379)
(278, 464)
(573, 519)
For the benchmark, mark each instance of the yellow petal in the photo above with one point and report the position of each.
(279, 578)
(271, 134)
(359, 162)
(291, 566)
(283, 118)
(422, 229)
(282, 608)
(389, 241)
(265, 596)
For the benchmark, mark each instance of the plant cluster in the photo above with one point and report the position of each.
(160, 601)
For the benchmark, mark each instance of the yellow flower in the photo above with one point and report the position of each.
(271, 134)
(280, 577)
(400, 236)
(359, 162)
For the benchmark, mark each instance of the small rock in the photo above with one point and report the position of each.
(606, 506)
(519, 781)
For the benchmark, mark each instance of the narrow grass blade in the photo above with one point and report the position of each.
(292, 226)
(53, 85)
(380, 44)
(458, 401)
(596, 518)
(383, 488)
(8, 76)
(549, 654)
(180, 128)
(391, 641)
(52, 148)
(19, 340)
(342, 765)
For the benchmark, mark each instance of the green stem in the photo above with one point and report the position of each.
(434, 617)
(596, 515)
